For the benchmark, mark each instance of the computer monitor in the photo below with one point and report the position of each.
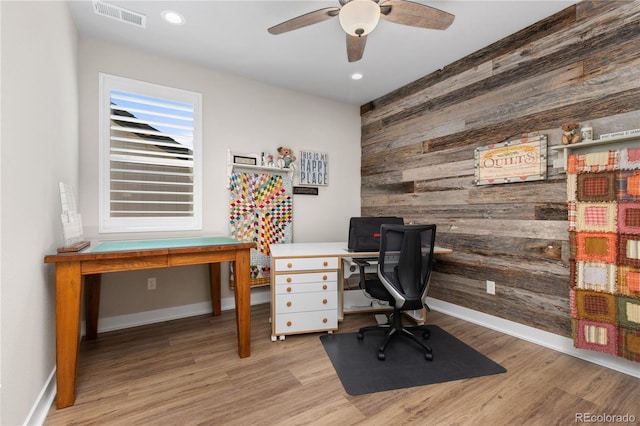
(364, 232)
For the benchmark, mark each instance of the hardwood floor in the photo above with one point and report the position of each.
(187, 372)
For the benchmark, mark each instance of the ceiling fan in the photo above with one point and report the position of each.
(359, 17)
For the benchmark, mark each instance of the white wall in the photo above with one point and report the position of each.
(39, 139)
(239, 114)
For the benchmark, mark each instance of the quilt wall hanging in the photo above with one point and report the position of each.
(261, 211)
(603, 191)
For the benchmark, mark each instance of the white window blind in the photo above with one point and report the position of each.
(150, 157)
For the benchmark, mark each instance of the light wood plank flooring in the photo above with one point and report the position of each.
(187, 372)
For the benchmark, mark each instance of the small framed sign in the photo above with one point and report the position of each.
(518, 160)
(305, 190)
(314, 168)
(240, 159)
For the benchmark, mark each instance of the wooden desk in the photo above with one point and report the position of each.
(114, 256)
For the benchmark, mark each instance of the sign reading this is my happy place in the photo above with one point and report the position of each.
(313, 168)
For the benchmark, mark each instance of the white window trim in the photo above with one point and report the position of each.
(107, 224)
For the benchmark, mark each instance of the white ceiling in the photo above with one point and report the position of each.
(232, 36)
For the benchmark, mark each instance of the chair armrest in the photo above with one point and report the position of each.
(360, 262)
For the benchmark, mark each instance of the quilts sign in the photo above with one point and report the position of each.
(314, 168)
(518, 160)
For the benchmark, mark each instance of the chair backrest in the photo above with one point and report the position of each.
(404, 262)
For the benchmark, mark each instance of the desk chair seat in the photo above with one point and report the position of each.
(404, 269)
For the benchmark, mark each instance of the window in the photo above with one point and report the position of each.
(150, 157)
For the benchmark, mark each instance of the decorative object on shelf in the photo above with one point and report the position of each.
(261, 211)
(314, 168)
(286, 158)
(603, 192)
(518, 160)
(622, 134)
(241, 159)
(571, 133)
(268, 160)
(586, 133)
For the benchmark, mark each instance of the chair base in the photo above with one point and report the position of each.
(395, 328)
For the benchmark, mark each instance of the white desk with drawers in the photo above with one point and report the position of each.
(307, 287)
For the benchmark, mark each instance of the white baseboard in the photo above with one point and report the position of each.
(40, 409)
(177, 312)
(534, 335)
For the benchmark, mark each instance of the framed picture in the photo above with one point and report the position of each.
(240, 159)
(314, 168)
(518, 160)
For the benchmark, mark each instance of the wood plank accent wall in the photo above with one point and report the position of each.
(581, 64)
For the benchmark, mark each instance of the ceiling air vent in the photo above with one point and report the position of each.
(120, 14)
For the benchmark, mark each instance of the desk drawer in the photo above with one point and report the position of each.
(328, 287)
(306, 322)
(304, 302)
(306, 264)
(314, 277)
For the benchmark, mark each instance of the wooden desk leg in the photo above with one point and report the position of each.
(216, 295)
(242, 291)
(68, 290)
(91, 305)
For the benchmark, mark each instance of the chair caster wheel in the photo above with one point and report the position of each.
(381, 356)
(360, 336)
(428, 356)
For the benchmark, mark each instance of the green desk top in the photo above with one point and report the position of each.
(111, 246)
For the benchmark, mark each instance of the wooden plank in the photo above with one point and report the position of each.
(555, 23)
(68, 291)
(131, 264)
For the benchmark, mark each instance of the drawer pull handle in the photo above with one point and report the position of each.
(288, 289)
(288, 304)
(288, 323)
(325, 263)
(324, 301)
(324, 320)
(289, 265)
(324, 277)
(288, 279)
(324, 287)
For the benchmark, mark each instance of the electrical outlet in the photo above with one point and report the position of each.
(151, 283)
(491, 287)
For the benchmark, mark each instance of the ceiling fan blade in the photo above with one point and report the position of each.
(415, 15)
(305, 20)
(355, 47)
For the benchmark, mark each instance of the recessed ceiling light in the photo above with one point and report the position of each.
(356, 76)
(173, 17)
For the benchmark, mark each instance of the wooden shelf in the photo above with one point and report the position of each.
(590, 146)
(265, 169)
(231, 166)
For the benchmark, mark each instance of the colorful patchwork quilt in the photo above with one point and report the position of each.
(603, 192)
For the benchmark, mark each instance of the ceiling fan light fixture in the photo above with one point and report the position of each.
(359, 17)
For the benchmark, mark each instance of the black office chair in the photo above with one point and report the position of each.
(404, 269)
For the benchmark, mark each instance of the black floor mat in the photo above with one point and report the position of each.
(360, 370)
